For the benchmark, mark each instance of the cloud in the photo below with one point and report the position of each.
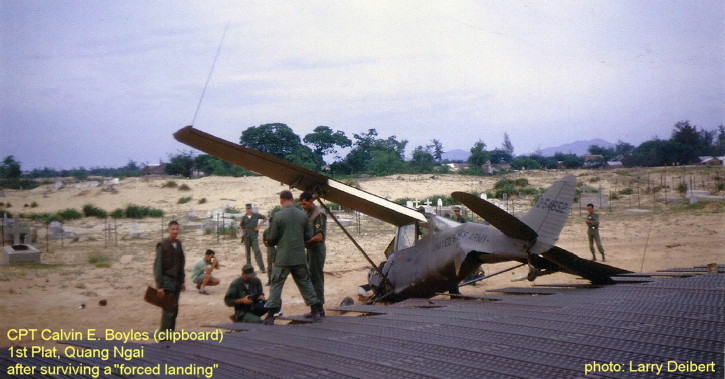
(546, 73)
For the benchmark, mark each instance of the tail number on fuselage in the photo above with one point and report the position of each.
(552, 205)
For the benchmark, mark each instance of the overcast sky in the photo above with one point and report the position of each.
(98, 83)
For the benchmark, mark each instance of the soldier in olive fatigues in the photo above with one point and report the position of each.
(250, 229)
(288, 232)
(316, 250)
(592, 222)
(246, 296)
(457, 216)
(271, 252)
(169, 273)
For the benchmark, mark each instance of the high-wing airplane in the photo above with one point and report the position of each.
(431, 254)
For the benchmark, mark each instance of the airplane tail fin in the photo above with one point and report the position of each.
(548, 216)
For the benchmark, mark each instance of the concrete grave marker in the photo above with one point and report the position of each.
(18, 252)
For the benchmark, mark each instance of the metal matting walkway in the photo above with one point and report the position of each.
(618, 331)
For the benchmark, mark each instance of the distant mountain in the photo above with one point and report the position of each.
(577, 148)
(456, 155)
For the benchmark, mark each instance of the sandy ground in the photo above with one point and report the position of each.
(64, 292)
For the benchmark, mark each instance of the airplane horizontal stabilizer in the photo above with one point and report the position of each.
(500, 219)
(299, 177)
(597, 273)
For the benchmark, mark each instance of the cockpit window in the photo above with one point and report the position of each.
(409, 234)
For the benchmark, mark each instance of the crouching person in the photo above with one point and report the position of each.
(246, 296)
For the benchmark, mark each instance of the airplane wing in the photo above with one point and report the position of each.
(500, 219)
(597, 273)
(299, 177)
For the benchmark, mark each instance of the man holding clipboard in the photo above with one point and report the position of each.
(169, 275)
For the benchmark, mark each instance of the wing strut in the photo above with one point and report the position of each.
(327, 210)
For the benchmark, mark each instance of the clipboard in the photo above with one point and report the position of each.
(169, 302)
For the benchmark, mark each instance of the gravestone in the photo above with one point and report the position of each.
(11, 226)
(19, 252)
(56, 231)
(135, 230)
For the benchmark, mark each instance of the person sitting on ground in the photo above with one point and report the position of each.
(201, 272)
(246, 296)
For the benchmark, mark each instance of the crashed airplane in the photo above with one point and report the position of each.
(431, 254)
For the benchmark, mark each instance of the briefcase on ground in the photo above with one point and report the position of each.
(168, 302)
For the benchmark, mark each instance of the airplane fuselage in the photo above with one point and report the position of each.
(440, 260)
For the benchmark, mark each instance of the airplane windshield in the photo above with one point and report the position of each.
(408, 234)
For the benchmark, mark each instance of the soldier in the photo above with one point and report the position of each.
(201, 272)
(457, 216)
(169, 273)
(592, 222)
(246, 296)
(271, 251)
(250, 235)
(288, 232)
(316, 250)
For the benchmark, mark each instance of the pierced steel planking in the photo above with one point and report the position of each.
(669, 318)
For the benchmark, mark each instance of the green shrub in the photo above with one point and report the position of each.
(184, 187)
(69, 214)
(682, 188)
(46, 217)
(626, 191)
(136, 211)
(511, 183)
(118, 213)
(169, 184)
(33, 205)
(225, 230)
(232, 210)
(521, 182)
(202, 200)
(503, 183)
(90, 210)
(184, 200)
(99, 260)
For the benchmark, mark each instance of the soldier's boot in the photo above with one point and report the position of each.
(594, 256)
(315, 312)
(269, 320)
(309, 314)
(603, 259)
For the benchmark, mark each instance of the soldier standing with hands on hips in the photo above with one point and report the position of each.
(250, 237)
(592, 222)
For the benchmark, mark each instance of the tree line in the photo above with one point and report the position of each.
(372, 154)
